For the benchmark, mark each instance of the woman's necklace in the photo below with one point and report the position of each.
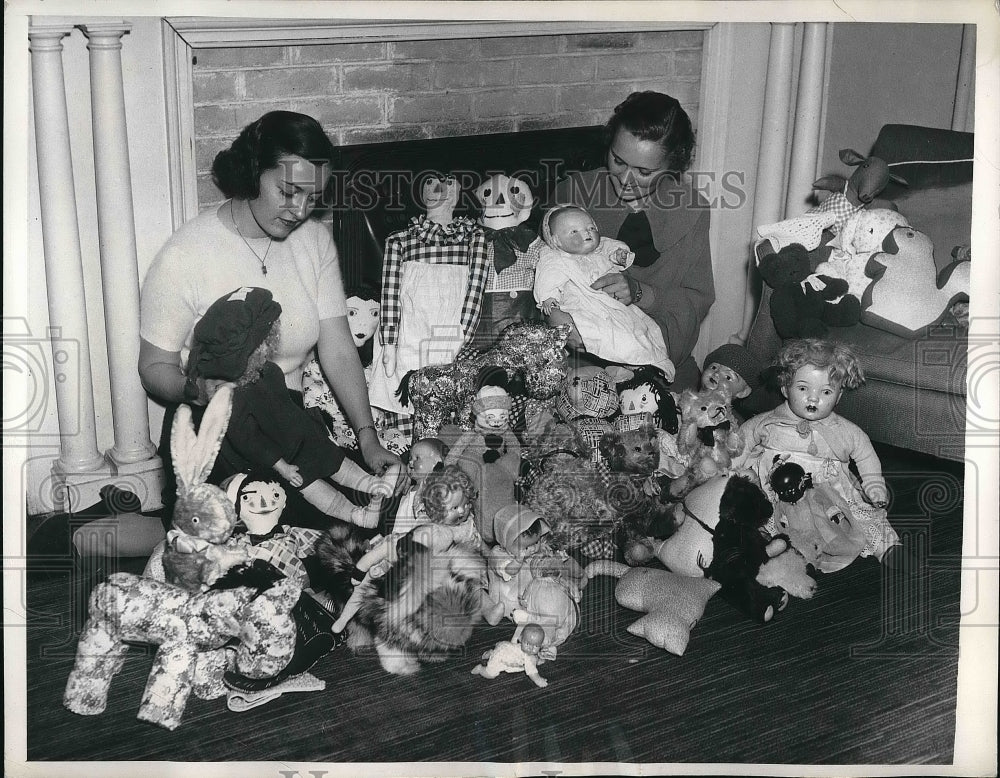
(270, 240)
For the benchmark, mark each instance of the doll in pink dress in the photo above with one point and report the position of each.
(806, 430)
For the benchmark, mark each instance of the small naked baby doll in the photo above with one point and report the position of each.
(448, 499)
(575, 255)
(519, 654)
(805, 430)
(234, 342)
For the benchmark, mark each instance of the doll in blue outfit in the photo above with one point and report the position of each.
(806, 430)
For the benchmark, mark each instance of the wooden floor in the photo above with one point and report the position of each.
(864, 673)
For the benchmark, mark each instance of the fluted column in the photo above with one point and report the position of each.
(808, 114)
(769, 189)
(116, 231)
(63, 259)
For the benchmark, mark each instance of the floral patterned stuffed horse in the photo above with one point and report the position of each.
(531, 353)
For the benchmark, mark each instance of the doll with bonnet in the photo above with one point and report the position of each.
(490, 454)
(233, 342)
(433, 275)
(574, 257)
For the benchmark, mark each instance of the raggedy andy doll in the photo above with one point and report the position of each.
(806, 430)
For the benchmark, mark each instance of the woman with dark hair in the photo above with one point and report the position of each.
(643, 198)
(275, 175)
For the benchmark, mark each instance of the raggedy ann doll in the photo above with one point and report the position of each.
(448, 499)
(512, 252)
(807, 431)
(433, 274)
(363, 316)
(233, 342)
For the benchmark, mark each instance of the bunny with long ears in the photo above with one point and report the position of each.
(204, 516)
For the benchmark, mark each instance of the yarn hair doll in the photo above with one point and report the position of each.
(433, 274)
(234, 342)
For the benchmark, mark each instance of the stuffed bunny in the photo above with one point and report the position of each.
(193, 555)
(190, 622)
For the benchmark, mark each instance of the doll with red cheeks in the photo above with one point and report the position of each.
(806, 430)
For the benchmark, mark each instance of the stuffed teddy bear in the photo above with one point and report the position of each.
(672, 605)
(799, 309)
(719, 536)
(708, 439)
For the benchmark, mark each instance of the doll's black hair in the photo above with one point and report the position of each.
(666, 408)
(237, 170)
(364, 291)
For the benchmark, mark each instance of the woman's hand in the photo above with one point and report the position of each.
(378, 458)
(616, 285)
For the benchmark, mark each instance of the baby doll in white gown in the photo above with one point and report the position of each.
(574, 256)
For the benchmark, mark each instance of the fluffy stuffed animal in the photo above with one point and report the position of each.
(798, 309)
(530, 353)
(572, 496)
(672, 605)
(708, 440)
(421, 611)
(908, 295)
(720, 536)
(190, 631)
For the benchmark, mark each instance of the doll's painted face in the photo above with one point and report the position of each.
(493, 419)
(528, 540)
(642, 399)
(362, 318)
(439, 191)
(260, 505)
(506, 201)
(423, 458)
(811, 393)
(456, 507)
(574, 232)
(716, 376)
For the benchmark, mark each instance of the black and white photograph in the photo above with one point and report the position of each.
(512, 388)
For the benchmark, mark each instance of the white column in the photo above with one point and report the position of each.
(770, 187)
(116, 230)
(808, 113)
(63, 260)
(963, 116)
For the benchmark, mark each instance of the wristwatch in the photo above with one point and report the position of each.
(637, 294)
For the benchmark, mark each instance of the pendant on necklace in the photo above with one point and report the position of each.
(263, 268)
